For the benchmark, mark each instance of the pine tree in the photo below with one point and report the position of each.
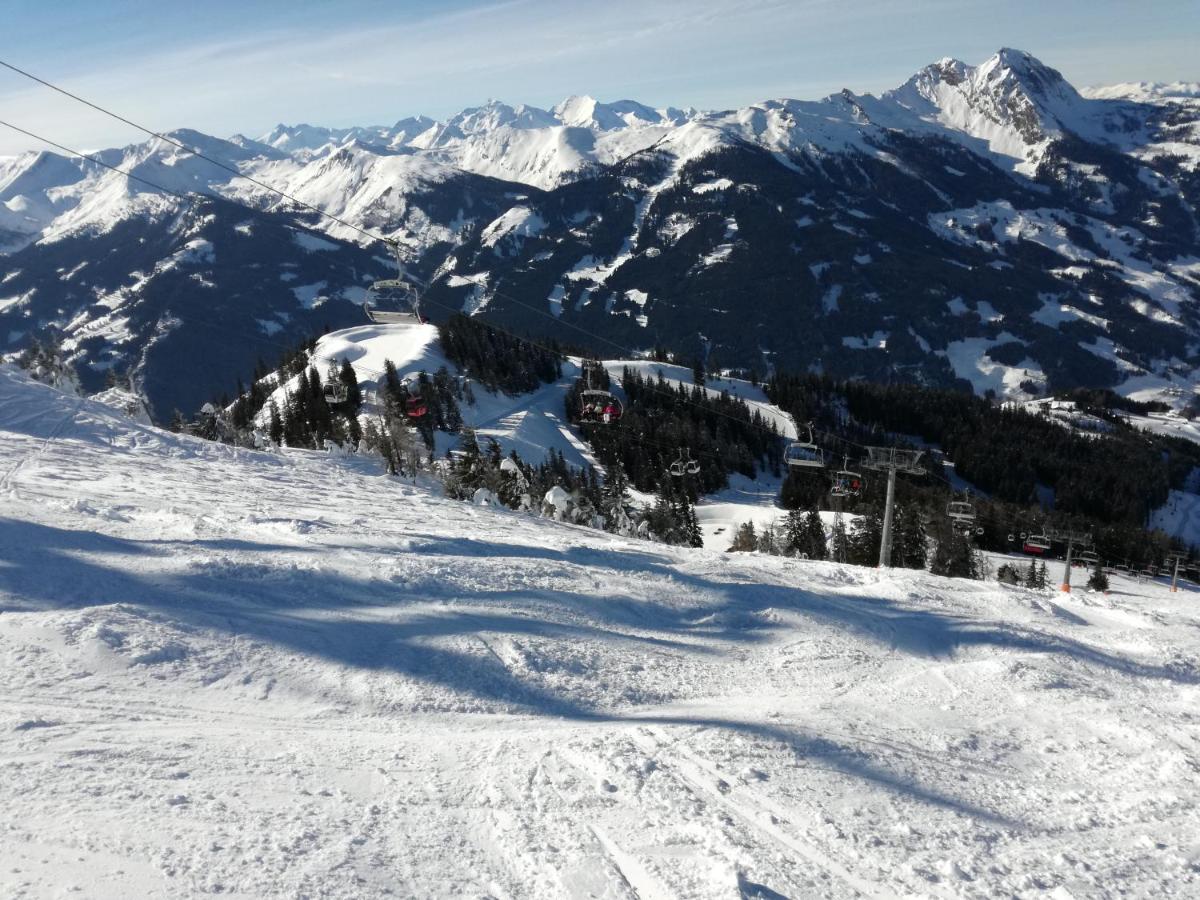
(839, 542)
(795, 535)
(909, 542)
(953, 554)
(866, 535)
(746, 540)
(814, 531)
(1099, 579)
(694, 537)
(347, 376)
(614, 499)
(767, 540)
(275, 424)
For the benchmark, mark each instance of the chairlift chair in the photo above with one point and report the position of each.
(805, 454)
(845, 482)
(415, 408)
(960, 511)
(414, 401)
(335, 393)
(1037, 544)
(394, 301)
(598, 407)
(684, 464)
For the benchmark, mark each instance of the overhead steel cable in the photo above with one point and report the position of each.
(130, 175)
(192, 150)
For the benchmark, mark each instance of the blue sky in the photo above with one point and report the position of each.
(224, 67)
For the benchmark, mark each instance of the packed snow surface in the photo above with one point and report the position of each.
(285, 674)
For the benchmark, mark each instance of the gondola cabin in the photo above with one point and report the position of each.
(335, 393)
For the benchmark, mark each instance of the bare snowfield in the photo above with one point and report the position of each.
(285, 675)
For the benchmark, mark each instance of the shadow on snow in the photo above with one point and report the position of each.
(309, 611)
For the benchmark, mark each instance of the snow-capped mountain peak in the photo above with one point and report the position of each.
(587, 112)
(1012, 101)
(494, 114)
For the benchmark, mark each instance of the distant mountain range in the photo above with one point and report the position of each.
(980, 226)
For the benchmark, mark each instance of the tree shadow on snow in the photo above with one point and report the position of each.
(311, 611)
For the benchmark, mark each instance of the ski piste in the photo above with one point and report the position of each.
(285, 673)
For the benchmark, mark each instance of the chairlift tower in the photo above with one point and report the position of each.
(1071, 538)
(1176, 558)
(892, 460)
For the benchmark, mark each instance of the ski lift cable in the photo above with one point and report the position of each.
(187, 198)
(192, 150)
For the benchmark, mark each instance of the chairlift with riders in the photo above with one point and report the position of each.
(846, 483)
(597, 406)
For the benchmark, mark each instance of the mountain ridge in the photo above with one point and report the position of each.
(980, 226)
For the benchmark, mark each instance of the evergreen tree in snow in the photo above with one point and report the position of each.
(815, 535)
(795, 534)
(866, 534)
(275, 424)
(746, 539)
(909, 538)
(839, 542)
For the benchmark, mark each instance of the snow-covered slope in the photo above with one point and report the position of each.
(535, 425)
(280, 675)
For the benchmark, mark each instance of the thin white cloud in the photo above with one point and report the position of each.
(705, 53)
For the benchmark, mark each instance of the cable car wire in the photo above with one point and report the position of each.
(192, 150)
